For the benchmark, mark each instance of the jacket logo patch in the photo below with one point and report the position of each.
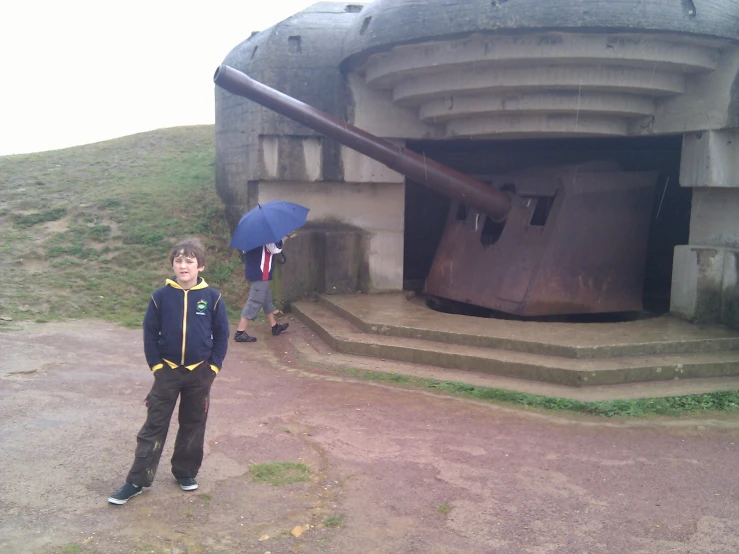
(200, 307)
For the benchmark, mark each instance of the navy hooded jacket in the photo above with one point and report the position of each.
(186, 326)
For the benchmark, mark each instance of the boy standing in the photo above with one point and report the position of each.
(185, 340)
(258, 264)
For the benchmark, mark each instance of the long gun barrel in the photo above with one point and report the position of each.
(450, 182)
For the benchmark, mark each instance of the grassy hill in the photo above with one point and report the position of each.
(85, 231)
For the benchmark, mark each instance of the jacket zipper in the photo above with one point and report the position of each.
(184, 329)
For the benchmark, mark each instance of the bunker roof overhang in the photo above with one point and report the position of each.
(501, 68)
(387, 23)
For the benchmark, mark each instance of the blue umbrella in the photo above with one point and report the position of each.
(266, 223)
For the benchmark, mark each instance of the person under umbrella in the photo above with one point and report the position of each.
(258, 236)
(258, 266)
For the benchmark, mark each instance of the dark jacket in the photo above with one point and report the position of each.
(259, 263)
(186, 326)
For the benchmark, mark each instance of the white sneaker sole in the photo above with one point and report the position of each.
(189, 487)
(119, 502)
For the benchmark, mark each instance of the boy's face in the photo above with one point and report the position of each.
(186, 270)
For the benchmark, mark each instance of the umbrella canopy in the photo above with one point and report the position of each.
(266, 223)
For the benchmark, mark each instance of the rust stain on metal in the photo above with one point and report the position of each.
(574, 242)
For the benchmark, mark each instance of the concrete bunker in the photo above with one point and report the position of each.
(490, 90)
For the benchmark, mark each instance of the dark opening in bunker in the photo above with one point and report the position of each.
(427, 211)
(541, 211)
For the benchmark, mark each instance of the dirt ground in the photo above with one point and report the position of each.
(396, 471)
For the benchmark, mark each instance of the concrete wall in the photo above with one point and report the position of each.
(704, 280)
(709, 160)
(299, 57)
(386, 24)
(354, 237)
(375, 208)
(534, 68)
(321, 258)
(710, 101)
(371, 200)
(548, 84)
(373, 110)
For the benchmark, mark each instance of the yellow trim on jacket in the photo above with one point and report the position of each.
(175, 366)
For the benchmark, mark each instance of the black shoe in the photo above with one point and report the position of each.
(187, 483)
(237, 333)
(126, 492)
(279, 328)
(243, 337)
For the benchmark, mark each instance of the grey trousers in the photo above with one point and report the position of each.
(260, 297)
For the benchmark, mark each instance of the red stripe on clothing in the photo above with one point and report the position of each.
(266, 263)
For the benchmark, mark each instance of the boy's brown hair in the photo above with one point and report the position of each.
(190, 247)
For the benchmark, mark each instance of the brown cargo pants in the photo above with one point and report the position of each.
(193, 389)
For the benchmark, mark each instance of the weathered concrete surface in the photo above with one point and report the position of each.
(387, 23)
(375, 209)
(407, 471)
(318, 355)
(325, 258)
(689, 358)
(550, 84)
(535, 69)
(704, 278)
(721, 367)
(713, 220)
(704, 284)
(710, 159)
(394, 314)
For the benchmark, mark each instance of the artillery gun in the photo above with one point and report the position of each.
(546, 241)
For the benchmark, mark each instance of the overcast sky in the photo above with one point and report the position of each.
(81, 71)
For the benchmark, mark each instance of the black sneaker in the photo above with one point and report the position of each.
(187, 483)
(279, 328)
(126, 492)
(237, 333)
(243, 337)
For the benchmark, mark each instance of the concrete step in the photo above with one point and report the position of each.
(392, 314)
(343, 336)
(314, 351)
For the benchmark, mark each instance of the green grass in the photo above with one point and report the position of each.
(673, 406)
(333, 521)
(29, 220)
(86, 231)
(444, 509)
(279, 473)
